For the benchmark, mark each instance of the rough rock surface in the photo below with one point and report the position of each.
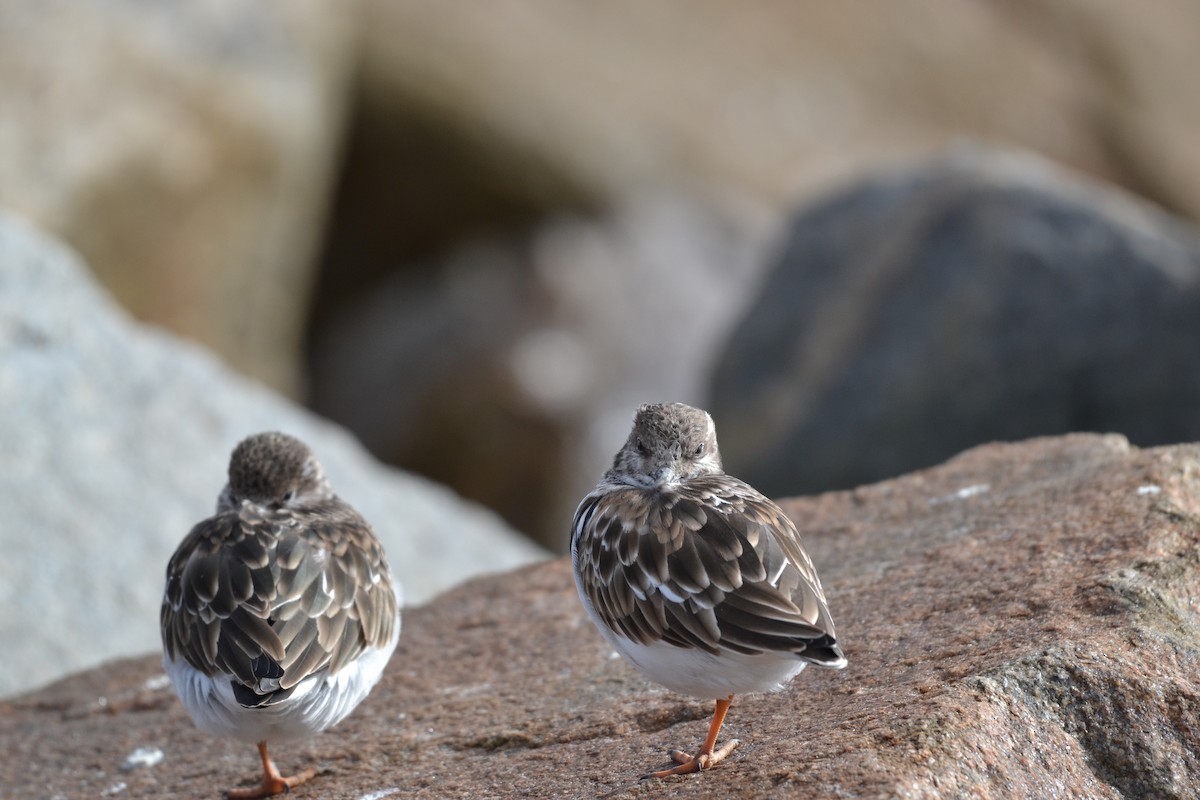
(114, 441)
(981, 296)
(1020, 622)
(185, 149)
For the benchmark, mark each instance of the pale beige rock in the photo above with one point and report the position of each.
(1019, 623)
(1145, 58)
(185, 150)
(774, 101)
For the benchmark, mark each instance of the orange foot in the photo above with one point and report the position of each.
(695, 763)
(273, 783)
(708, 755)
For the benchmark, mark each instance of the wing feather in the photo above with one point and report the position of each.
(710, 564)
(270, 601)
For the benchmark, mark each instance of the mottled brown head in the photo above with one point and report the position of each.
(670, 442)
(274, 470)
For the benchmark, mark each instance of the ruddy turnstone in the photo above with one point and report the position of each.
(280, 611)
(693, 576)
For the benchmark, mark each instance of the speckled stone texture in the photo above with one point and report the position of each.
(1019, 623)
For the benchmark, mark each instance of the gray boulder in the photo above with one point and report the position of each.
(978, 297)
(114, 441)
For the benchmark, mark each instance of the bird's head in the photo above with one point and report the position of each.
(274, 471)
(670, 442)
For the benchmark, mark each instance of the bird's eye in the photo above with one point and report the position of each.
(641, 447)
(699, 450)
(289, 496)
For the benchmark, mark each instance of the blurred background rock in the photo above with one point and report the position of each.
(477, 235)
(115, 440)
(186, 150)
(978, 297)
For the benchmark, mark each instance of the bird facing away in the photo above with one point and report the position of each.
(693, 576)
(280, 610)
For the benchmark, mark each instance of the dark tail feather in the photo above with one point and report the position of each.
(824, 652)
(268, 672)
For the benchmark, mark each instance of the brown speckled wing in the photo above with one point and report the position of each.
(710, 564)
(272, 599)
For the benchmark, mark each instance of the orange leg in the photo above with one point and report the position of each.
(708, 755)
(273, 783)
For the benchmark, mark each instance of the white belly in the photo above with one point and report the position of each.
(710, 677)
(318, 702)
(696, 672)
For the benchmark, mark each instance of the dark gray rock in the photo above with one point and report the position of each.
(978, 297)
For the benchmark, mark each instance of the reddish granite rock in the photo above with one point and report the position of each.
(1019, 622)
